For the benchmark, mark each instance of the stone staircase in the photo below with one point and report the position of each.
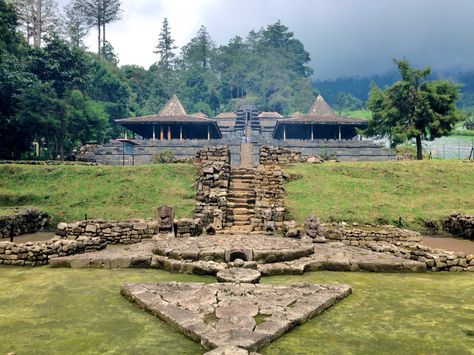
(241, 201)
(246, 155)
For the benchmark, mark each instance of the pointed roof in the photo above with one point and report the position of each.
(199, 114)
(321, 108)
(226, 115)
(322, 113)
(173, 108)
(172, 112)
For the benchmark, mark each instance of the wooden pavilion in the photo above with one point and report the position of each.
(172, 122)
(321, 122)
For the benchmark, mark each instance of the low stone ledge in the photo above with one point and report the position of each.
(41, 253)
(26, 221)
(435, 259)
(46, 162)
(361, 235)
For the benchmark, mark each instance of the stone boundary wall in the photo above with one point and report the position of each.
(26, 221)
(213, 153)
(46, 162)
(269, 196)
(213, 181)
(460, 225)
(125, 232)
(270, 155)
(435, 259)
(113, 232)
(39, 253)
(359, 236)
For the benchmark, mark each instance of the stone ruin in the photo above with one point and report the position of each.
(165, 218)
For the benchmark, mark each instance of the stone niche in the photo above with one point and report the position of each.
(460, 225)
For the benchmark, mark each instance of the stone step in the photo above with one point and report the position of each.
(241, 219)
(242, 223)
(242, 189)
(242, 195)
(242, 176)
(240, 204)
(241, 229)
(242, 183)
(242, 210)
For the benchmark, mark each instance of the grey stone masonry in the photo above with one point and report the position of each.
(361, 235)
(40, 253)
(113, 232)
(26, 221)
(460, 225)
(435, 259)
(278, 156)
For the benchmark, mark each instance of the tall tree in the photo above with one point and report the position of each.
(99, 13)
(75, 24)
(413, 107)
(165, 47)
(37, 17)
(200, 50)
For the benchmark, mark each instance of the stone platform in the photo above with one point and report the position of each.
(330, 256)
(243, 316)
(222, 248)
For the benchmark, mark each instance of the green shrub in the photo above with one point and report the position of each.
(163, 157)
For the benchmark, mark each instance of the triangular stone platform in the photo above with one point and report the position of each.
(245, 316)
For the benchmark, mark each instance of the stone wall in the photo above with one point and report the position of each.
(111, 153)
(270, 155)
(359, 236)
(460, 225)
(188, 227)
(269, 196)
(26, 221)
(435, 259)
(213, 180)
(213, 153)
(39, 253)
(46, 162)
(113, 232)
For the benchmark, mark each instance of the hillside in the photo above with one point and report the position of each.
(67, 193)
(382, 192)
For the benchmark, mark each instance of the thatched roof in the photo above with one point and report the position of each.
(321, 113)
(172, 112)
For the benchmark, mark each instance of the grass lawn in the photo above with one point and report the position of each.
(67, 193)
(81, 311)
(381, 192)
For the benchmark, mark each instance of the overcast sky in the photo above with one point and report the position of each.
(344, 37)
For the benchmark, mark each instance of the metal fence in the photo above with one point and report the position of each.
(446, 149)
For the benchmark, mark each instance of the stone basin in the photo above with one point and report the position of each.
(227, 248)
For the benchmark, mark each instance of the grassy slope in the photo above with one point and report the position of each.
(380, 192)
(69, 192)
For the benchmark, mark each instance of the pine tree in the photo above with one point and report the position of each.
(165, 47)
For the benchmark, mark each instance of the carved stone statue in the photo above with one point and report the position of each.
(268, 222)
(313, 228)
(165, 219)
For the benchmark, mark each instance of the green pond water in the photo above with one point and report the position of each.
(80, 311)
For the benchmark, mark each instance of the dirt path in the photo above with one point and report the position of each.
(458, 245)
(33, 237)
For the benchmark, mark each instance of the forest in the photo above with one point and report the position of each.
(60, 95)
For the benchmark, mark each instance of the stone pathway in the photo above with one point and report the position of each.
(226, 315)
(241, 200)
(179, 255)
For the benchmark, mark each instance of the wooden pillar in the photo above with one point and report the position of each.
(284, 133)
(312, 132)
(181, 132)
(126, 134)
(154, 136)
(169, 133)
(208, 133)
(161, 133)
(339, 132)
